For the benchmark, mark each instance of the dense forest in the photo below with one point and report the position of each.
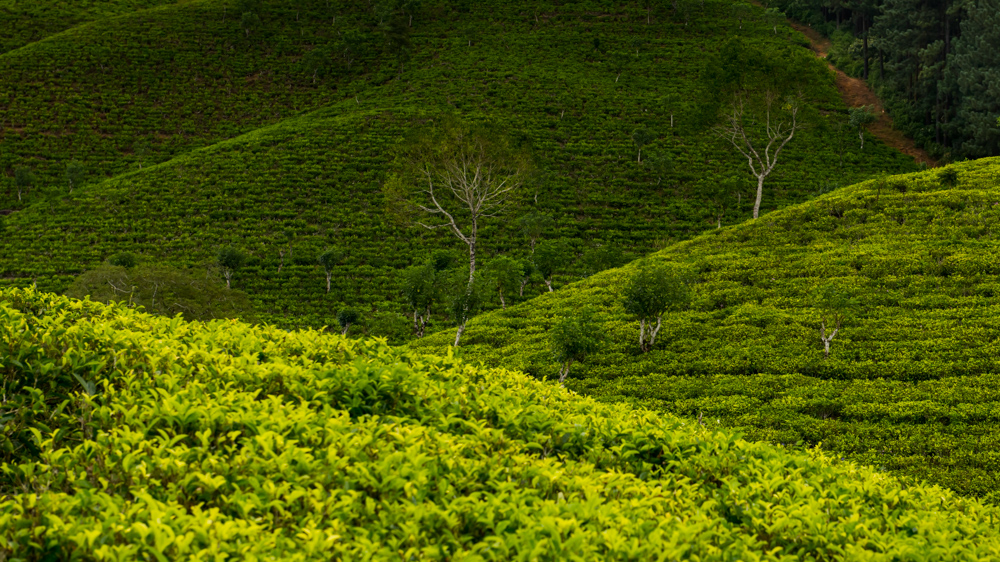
(935, 63)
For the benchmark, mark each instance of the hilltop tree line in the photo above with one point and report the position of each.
(934, 62)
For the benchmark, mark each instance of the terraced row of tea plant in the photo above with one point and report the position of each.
(22, 23)
(573, 86)
(911, 381)
(125, 92)
(223, 440)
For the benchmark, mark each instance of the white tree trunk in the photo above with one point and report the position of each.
(655, 331)
(826, 339)
(458, 334)
(472, 261)
(564, 371)
(760, 195)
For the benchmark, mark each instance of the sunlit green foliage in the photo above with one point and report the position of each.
(129, 436)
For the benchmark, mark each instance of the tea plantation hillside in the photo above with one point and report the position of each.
(125, 92)
(24, 22)
(129, 436)
(571, 85)
(912, 382)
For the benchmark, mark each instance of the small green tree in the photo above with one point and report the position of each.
(659, 163)
(23, 178)
(504, 275)
(123, 259)
(345, 318)
(329, 260)
(642, 137)
(74, 174)
(386, 323)
(316, 61)
(142, 150)
(442, 260)
(410, 8)
(835, 307)
(572, 338)
(948, 177)
(619, 62)
(723, 193)
(230, 260)
(534, 225)
(652, 292)
(672, 105)
(396, 37)
(551, 257)
(599, 257)
(420, 292)
(860, 119)
(249, 22)
(351, 46)
(774, 17)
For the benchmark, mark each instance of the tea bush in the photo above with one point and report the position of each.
(129, 436)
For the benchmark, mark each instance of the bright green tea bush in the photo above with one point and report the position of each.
(912, 383)
(129, 436)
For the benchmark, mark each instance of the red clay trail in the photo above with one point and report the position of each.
(856, 93)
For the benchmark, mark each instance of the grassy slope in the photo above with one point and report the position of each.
(24, 22)
(314, 182)
(140, 88)
(225, 440)
(912, 381)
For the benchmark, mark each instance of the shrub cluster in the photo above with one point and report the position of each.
(130, 436)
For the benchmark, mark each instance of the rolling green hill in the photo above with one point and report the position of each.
(223, 440)
(572, 81)
(911, 383)
(24, 22)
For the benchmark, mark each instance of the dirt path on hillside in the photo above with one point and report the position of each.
(856, 93)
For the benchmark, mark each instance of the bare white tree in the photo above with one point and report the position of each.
(760, 135)
(473, 181)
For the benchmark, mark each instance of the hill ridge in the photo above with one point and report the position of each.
(225, 439)
(910, 378)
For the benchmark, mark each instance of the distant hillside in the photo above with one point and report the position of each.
(23, 22)
(223, 440)
(911, 383)
(572, 82)
(130, 91)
